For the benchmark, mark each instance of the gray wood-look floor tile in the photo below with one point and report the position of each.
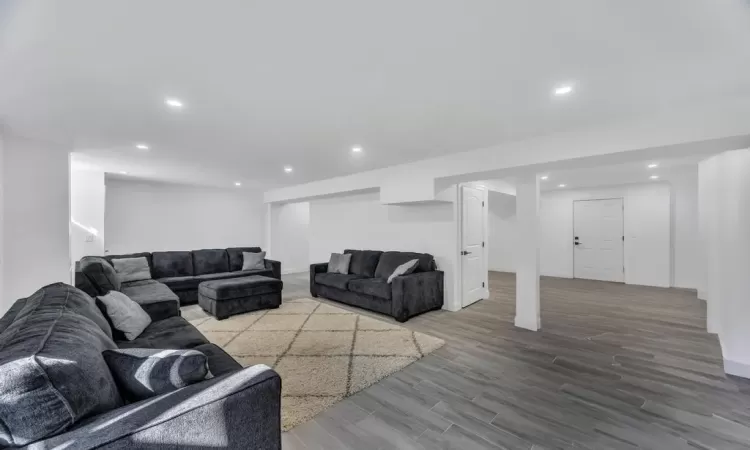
(614, 367)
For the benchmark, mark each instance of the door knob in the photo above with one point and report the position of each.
(465, 253)
(577, 243)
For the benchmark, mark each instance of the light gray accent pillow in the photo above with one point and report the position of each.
(253, 261)
(131, 269)
(339, 263)
(404, 269)
(145, 372)
(125, 314)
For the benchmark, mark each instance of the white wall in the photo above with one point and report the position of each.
(647, 231)
(686, 257)
(725, 187)
(87, 197)
(36, 217)
(502, 230)
(290, 237)
(141, 216)
(361, 221)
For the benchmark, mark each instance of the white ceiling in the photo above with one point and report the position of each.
(275, 83)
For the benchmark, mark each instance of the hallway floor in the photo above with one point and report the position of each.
(614, 366)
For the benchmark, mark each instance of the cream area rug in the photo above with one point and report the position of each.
(322, 353)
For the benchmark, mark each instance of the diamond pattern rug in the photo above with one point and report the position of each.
(322, 353)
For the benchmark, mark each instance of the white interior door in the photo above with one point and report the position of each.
(598, 239)
(473, 269)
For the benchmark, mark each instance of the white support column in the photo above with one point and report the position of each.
(527, 254)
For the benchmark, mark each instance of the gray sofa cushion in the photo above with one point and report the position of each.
(143, 372)
(146, 255)
(181, 283)
(364, 262)
(239, 287)
(219, 362)
(100, 274)
(132, 269)
(52, 374)
(172, 264)
(235, 256)
(172, 333)
(339, 263)
(253, 261)
(389, 261)
(124, 314)
(148, 291)
(336, 280)
(377, 287)
(210, 261)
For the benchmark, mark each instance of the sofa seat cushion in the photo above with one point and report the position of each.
(232, 288)
(181, 283)
(172, 264)
(389, 261)
(52, 373)
(145, 292)
(336, 280)
(377, 287)
(364, 262)
(210, 261)
(235, 256)
(172, 333)
(219, 362)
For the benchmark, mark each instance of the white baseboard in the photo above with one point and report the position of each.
(528, 323)
(291, 271)
(737, 368)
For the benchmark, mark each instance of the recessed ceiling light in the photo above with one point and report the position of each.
(174, 103)
(561, 185)
(563, 90)
(545, 177)
(123, 172)
(356, 149)
(141, 146)
(237, 183)
(654, 177)
(653, 165)
(288, 169)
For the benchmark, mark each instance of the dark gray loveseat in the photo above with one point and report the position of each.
(366, 283)
(174, 274)
(56, 390)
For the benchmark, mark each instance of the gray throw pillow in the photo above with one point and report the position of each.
(125, 314)
(253, 261)
(404, 269)
(132, 269)
(141, 373)
(339, 263)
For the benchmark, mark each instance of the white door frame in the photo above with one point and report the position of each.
(573, 228)
(459, 247)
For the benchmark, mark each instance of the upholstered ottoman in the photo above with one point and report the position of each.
(225, 298)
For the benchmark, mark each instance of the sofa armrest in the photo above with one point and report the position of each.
(240, 410)
(275, 267)
(314, 269)
(416, 293)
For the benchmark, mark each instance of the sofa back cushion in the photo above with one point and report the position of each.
(52, 373)
(364, 262)
(172, 264)
(100, 274)
(210, 261)
(146, 255)
(389, 261)
(235, 256)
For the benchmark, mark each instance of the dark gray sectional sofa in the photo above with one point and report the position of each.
(57, 390)
(366, 284)
(175, 274)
